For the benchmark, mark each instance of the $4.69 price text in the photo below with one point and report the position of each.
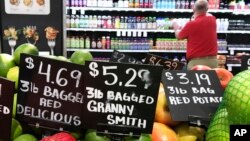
(46, 70)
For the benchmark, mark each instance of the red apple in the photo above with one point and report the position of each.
(224, 76)
(200, 67)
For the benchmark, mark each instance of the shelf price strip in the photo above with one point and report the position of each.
(192, 93)
(167, 64)
(245, 62)
(117, 96)
(119, 57)
(6, 104)
(48, 91)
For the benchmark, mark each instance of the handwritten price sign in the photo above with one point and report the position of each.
(167, 64)
(196, 93)
(6, 103)
(118, 94)
(50, 89)
(123, 58)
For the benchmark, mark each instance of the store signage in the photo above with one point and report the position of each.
(50, 93)
(123, 58)
(192, 93)
(6, 104)
(120, 98)
(167, 64)
(245, 62)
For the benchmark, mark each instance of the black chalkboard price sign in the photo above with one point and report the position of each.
(192, 93)
(50, 93)
(121, 98)
(167, 64)
(6, 103)
(245, 62)
(119, 57)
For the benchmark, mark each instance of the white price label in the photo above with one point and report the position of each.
(129, 33)
(123, 33)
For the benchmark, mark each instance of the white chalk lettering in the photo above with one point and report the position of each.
(63, 95)
(5, 110)
(178, 100)
(118, 96)
(204, 100)
(100, 107)
(129, 121)
(202, 90)
(50, 103)
(48, 115)
(94, 93)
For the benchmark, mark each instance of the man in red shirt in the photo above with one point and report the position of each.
(201, 37)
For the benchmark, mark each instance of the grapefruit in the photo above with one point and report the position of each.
(80, 56)
(13, 75)
(237, 98)
(162, 132)
(25, 48)
(6, 62)
(218, 129)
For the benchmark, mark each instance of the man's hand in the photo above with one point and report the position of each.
(176, 26)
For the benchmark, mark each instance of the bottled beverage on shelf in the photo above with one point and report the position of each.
(131, 4)
(87, 43)
(103, 42)
(93, 43)
(68, 42)
(81, 42)
(108, 42)
(99, 43)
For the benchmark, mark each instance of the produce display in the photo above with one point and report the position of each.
(233, 109)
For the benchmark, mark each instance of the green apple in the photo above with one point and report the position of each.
(13, 75)
(14, 105)
(80, 56)
(16, 129)
(26, 137)
(6, 62)
(91, 135)
(25, 48)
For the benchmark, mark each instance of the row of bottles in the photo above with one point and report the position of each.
(170, 44)
(120, 22)
(177, 59)
(173, 4)
(86, 42)
(105, 42)
(156, 4)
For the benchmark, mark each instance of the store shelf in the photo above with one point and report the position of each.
(232, 50)
(118, 30)
(144, 30)
(142, 51)
(235, 31)
(146, 9)
(230, 66)
(110, 50)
